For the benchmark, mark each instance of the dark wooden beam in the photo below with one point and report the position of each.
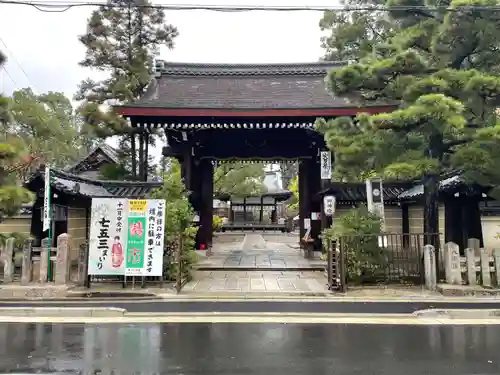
(251, 112)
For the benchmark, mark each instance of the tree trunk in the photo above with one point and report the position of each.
(146, 157)
(133, 155)
(431, 204)
(141, 156)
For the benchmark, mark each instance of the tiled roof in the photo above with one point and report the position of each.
(451, 184)
(77, 185)
(95, 159)
(356, 191)
(223, 86)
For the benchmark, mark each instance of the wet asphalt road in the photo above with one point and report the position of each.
(240, 349)
(269, 306)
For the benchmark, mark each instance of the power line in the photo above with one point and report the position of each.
(59, 7)
(17, 62)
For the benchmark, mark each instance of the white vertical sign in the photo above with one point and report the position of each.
(375, 198)
(326, 165)
(108, 236)
(154, 237)
(46, 201)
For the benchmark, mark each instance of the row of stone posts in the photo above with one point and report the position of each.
(61, 260)
(475, 268)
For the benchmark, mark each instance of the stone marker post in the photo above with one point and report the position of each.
(470, 261)
(485, 267)
(430, 267)
(8, 268)
(63, 259)
(26, 263)
(44, 261)
(474, 243)
(82, 264)
(496, 261)
(452, 263)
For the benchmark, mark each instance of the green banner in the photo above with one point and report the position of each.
(136, 242)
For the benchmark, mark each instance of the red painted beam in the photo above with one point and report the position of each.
(211, 112)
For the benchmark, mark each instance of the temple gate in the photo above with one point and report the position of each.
(214, 112)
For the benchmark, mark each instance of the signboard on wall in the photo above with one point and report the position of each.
(126, 237)
(326, 165)
(329, 203)
(375, 198)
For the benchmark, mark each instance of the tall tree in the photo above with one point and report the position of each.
(239, 179)
(440, 68)
(12, 157)
(289, 171)
(121, 40)
(47, 125)
(351, 35)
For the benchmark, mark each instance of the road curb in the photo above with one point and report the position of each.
(459, 313)
(62, 311)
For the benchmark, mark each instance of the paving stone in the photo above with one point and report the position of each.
(203, 286)
(257, 285)
(286, 285)
(301, 285)
(218, 285)
(271, 284)
(232, 283)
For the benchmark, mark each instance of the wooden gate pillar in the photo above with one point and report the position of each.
(314, 188)
(304, 197)
(191, 169)
(205, 232)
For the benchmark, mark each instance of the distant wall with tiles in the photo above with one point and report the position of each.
(416, 218)
(77, 229)
(19, 224)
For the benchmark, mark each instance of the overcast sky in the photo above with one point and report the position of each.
(46, 48)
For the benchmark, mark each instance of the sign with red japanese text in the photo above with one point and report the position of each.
(126, 237)
(108, 236)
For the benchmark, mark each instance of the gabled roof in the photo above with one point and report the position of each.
(242, 86)
(81, 186)
(100, 155)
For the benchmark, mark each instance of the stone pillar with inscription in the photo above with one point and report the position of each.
(452, 263)
(7, 255)
(63, 259)
(430, 267)
(496, 261)
(82, 263)
(45, 251)
(470, 261)
(484, 257)
(26, 262)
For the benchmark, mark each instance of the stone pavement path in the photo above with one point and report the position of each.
(260, 259)
(221, 282)
(254, 252)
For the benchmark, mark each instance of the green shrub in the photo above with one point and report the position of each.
(217, 223)
(178, 222)
(358, 232)
(19, 239)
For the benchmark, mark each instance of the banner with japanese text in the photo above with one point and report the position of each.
(126, 237)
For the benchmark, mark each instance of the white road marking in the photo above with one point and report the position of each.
(365, 319)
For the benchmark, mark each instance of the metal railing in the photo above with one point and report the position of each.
(372, 259)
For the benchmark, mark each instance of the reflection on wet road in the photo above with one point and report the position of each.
(233, 349)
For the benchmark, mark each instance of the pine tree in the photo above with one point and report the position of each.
(122, 38)
(441, 69)
(351, 35)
